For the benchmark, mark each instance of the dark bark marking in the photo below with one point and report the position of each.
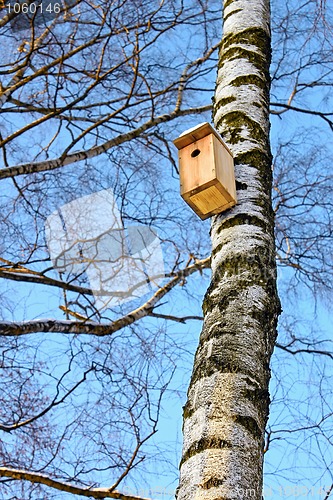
(232, 13)
(203, 445)
(212, 482)
(236, 120)
(257, 37)
(229, 2)
(239, 220)
(241, 186)
(250, 425)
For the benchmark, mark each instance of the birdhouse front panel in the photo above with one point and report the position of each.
(206, 168)
(195, 165)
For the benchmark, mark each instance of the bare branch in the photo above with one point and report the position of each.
(43, 166)
(329, 491)
(38, 478)
(54, 403)
(14, 275)
(306, 351)
(88, 327)
(175, 318)
(286, 107)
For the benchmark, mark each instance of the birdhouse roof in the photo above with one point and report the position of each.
(194, 134)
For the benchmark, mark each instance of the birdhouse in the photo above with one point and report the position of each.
(206, 165)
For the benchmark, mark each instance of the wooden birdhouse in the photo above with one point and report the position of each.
(206, 165)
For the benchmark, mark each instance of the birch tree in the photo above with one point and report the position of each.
(227, 408)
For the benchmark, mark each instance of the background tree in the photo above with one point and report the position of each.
(91, 102)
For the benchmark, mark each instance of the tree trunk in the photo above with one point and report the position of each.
(228, 401)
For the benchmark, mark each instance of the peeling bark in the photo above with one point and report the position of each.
(227, 407)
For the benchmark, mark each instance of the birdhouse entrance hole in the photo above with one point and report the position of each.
(195, 153)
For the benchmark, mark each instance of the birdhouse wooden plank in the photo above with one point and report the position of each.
(206, 167)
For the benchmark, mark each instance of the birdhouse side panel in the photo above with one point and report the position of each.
(196, 164)
(225, 173)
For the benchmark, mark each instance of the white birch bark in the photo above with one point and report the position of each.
(227, 407)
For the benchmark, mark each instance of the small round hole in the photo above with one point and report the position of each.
(195, 153)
